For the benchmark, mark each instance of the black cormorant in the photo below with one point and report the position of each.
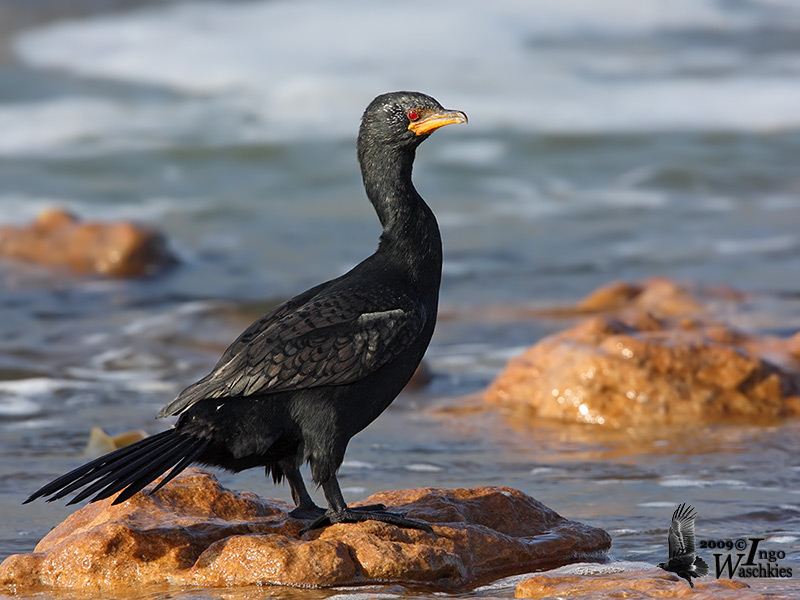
(310, 374)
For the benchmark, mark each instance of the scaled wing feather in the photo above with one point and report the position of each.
(324, 341)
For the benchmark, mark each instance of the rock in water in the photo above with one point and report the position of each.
(656, 296)
(637, 585)
(646, 372)
(193, 532)
(59, 239)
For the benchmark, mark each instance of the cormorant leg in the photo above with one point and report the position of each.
(339, 512)
(306, 508)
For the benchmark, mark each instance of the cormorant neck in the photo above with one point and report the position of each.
(386, 172)
(410, 232)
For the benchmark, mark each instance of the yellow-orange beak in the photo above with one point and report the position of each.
(429, 122)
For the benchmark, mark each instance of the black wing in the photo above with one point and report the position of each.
(323, 337)
(681, 533)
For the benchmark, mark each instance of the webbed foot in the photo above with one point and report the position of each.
(307, 511)
(359, 514)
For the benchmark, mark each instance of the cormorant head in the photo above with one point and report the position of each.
(404, 119)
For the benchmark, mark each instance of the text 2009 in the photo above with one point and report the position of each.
(739, 544)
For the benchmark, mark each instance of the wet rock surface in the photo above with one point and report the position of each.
(195, 532)
(652, 359)
(638, 585)
(59, 239)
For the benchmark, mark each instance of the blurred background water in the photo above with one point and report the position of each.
(611, 140)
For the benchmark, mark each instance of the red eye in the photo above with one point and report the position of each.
(412, 115)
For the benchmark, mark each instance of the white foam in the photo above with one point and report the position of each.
(623, 566)
(20, 397)
(86, 124)
(40, 386)
(623, 531)
(781, 539)
(678, 481)
(423, 468)
(356, 464)
(15, 407)
(579, 569)
(277, 70)
(54, 123)
(544, 470)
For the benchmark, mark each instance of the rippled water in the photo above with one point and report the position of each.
(606, 141)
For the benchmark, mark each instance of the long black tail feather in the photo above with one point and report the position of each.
(128, 469)
(149, 465)
(114, 464)
(85, 471)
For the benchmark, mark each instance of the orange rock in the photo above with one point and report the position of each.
(793, 345)
(658, 296)
(100, 442)
(616, 294)
(59, 239)
(194, 532)
(640, 585)
(645, 372)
